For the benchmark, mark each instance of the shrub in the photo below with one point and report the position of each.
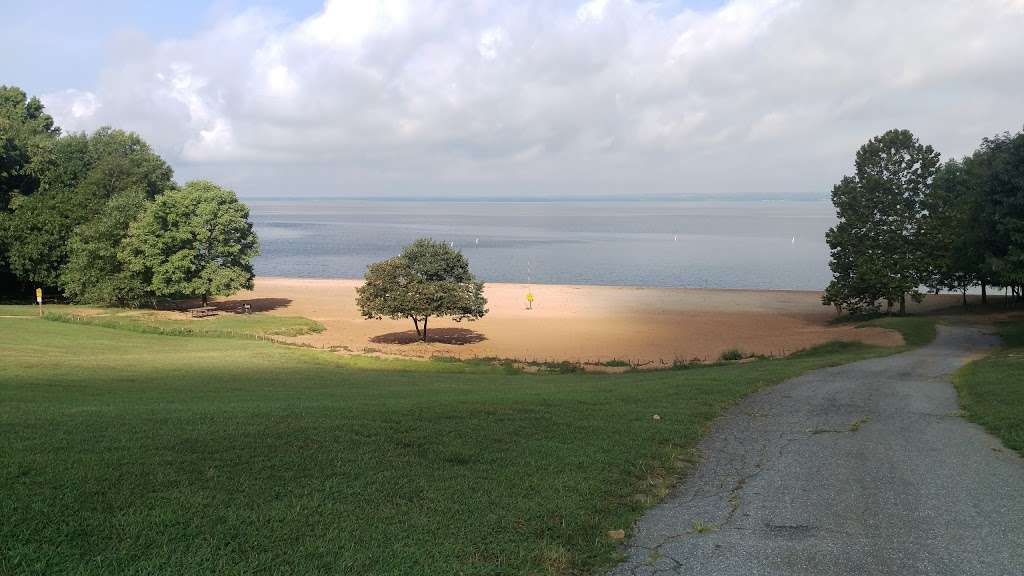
(731, 355)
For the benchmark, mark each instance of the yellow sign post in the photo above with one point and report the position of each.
(529, 300)
(39, 300)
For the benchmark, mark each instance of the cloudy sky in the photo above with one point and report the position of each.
(527, 98)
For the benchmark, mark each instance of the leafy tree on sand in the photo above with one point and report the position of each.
(195, 242)
(876, 245)
(428, 279)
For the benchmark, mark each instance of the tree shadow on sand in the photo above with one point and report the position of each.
(255, 304)
(456, 336)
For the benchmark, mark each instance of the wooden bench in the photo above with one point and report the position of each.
(203, 311)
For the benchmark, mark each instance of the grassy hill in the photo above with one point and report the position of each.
(133, 452)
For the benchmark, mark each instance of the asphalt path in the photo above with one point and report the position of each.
(865, 468)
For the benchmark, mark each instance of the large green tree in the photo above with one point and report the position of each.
(876, 245)
(26, 132)
(93, 272)
(428, 279)
(952, 243)
(194, 242)
(999, 166)
(78, 176)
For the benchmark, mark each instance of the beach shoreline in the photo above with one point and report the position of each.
(588, 324)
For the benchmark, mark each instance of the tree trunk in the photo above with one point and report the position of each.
(984, 293)
(903, 304)
(965, 296)
(425, 328)
(206, 299)
(416, 323)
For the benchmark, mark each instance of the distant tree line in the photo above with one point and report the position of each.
(99, 219)
(908, 223)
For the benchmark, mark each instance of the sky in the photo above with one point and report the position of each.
(531, 98)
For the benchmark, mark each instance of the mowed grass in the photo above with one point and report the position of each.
(225, 324)
(916, 330)
(24, 310)
(135, 453)
(992, 389)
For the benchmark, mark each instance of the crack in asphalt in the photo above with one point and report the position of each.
(865, 468)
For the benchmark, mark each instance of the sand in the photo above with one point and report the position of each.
(589, 324)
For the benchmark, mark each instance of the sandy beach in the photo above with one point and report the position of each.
(590, 324)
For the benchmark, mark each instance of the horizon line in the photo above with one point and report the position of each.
(499, 199)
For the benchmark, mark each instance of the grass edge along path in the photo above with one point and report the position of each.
(991, 389)
(128, 452)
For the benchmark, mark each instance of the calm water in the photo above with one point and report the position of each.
(773, 245)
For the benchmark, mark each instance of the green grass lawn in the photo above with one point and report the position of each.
(916, 330)
(133, 453)
(7, 310)
(225, 324)
(992, 389)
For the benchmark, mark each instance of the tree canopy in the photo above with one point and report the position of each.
(26, 132)
(68, 202)
(905, 221)
(999, 172)
(876, 245)
(78, 176)
(194, 242)
(951, 256)
(428, 279)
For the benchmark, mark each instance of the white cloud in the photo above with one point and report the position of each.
(491, 41)
(592, 10)
(607, 96)
(76, 107)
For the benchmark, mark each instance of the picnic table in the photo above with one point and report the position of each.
(203, 311)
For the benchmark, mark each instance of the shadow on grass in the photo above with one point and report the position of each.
(256, 304)
(456, 336)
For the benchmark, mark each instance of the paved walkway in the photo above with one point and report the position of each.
(860, 469)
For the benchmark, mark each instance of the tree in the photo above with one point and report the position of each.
(999, 165)
(194, 242)
(93, 272)
(428, 279)
(26, 132)
(876, 245)
(78, 176)
(952, 251)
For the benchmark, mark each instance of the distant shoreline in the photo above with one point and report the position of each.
(801, 198)
(357, 281)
